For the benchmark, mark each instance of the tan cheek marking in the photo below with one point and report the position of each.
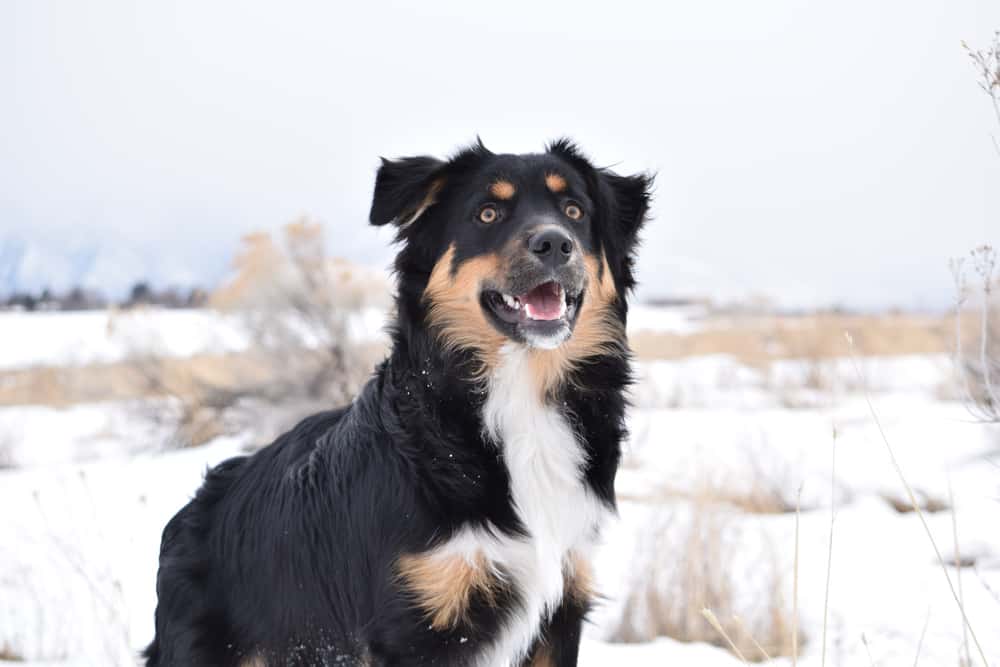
(503, 189)
(254, 661)
(555, 182)
(444, 585)
(597, 330)
(454, 309)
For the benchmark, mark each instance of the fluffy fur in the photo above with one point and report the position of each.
(446, 516)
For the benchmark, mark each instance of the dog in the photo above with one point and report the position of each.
(448, 514)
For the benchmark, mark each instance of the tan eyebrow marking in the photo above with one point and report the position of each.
(555, 182)
(502, 189)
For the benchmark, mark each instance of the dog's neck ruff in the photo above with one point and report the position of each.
(546, 463)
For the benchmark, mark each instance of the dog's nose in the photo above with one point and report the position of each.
(551, 245)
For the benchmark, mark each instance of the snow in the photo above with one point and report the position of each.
(95, 483)
(660, 653)
(89, 337)
(77, 581)
(675, 319)
(39, 435)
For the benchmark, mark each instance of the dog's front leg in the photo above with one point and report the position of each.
(559, 642)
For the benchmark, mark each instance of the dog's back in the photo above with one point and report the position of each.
(268, 549)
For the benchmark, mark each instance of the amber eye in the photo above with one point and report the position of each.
(489, 214)
(573, 211)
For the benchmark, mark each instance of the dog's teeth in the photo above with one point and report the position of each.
(512, 301)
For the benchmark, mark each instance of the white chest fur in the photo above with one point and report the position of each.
(545, 462)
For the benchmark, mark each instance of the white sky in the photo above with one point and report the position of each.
(817, 152)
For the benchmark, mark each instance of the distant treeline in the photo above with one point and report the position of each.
(80, 298)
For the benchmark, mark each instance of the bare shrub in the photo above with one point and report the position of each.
(296, 306)
(294, 298)
(987, 64)
(979, 370)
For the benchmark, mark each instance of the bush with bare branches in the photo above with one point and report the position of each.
(987, 64)
(979, 364)
(296, 306)
(297, 303)
(977, 354)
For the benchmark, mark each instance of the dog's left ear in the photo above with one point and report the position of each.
(404, 189)
(629, 196)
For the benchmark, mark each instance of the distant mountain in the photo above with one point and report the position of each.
(110, 269)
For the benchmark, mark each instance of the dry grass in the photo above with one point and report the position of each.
(690, 563)
(928, 503)
(756, 489)
(757, 341)
(213, 395)
(62, 386)
(692, 567)
(759, 498)
(7, 654)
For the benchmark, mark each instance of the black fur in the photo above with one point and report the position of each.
(289, 555)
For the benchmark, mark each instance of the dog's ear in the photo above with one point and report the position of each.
(404, 189)
(630, 197)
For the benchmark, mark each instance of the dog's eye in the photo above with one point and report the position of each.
(489, 214)
(573, 211)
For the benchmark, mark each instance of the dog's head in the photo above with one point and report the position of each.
(532, 249)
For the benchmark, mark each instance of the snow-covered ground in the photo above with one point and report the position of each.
(106, 336)
(716, 452)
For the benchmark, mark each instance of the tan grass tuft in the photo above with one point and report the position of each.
(690, 569)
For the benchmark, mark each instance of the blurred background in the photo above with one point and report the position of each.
(186, 270)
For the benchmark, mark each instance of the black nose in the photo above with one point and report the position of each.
(552, 245)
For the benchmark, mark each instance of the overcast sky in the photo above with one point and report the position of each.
(817, 152)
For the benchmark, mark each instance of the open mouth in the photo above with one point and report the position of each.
(544, 310)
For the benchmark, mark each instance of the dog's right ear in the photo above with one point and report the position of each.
(404, 189)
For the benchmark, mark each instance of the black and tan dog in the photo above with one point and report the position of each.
(447, 515)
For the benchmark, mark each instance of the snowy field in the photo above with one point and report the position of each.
(719, 456)
(92, 337)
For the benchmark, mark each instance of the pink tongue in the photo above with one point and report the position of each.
(543, 302)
